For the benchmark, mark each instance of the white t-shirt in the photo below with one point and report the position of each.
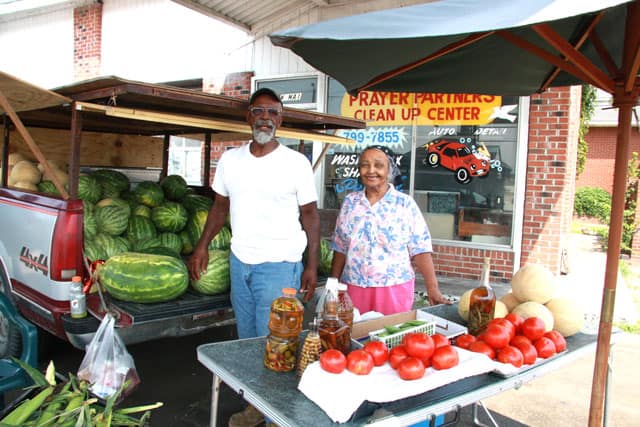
(265, 194)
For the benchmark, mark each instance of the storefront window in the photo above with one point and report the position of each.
(465, 151)
(185, 159)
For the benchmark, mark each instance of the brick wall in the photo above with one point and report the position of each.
(87, 41)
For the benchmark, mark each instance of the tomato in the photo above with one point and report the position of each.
(464, 340)
(445, 357)
(359, 362)
(411, 368)
(501, 321)
(558, 340)
(418, 344)
(516, 320)
(519, 339)
(511, 355)
(440, 340)
(396, 355)
(333, 361)
(529, 352)
(533, 328)
(378, 350)
(545, 347)
(484, 348)
(497, 336)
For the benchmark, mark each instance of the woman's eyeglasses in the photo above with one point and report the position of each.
(259, 111)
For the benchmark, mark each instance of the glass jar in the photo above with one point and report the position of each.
(334, 333)
(345, 306)
(482, 302)
(285, 325)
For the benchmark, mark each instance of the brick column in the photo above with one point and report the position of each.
(550, 187)
(635, 241)
(87, 41)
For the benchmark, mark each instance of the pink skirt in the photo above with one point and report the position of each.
(385, 299)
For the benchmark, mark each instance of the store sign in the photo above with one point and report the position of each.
(425, 109)
(288, 98)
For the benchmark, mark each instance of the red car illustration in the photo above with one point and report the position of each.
(457, 157)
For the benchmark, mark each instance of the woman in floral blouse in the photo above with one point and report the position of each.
(380, 232)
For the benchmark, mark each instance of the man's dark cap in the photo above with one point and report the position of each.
(264, 91)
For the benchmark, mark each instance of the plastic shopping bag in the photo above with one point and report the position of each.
(107, 364)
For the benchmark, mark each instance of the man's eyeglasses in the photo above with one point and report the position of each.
(259, 111)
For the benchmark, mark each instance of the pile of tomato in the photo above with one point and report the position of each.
(410, 359)
(515, 340)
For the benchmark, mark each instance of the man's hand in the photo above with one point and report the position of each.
(197, 263)
(308, 283)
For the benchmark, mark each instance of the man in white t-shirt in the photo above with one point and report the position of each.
(269, 192)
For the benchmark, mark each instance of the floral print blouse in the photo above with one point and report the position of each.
(379, 241)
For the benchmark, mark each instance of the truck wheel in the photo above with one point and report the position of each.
(10, 337)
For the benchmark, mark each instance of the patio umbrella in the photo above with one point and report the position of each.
(502, 47)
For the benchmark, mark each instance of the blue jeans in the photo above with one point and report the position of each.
(253, 289)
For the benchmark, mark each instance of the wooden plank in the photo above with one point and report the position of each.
(23, 96)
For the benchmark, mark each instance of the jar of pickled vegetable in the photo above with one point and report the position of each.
(285, 325)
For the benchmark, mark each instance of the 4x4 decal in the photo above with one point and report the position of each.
(38, 263)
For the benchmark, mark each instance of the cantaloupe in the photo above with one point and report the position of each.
(25, 171)
(57, 164)
(500, 310)
(510, 301)
(534, 282)
(25, 185)
(15, 158)
(568, 315)
(463, 305)
(531, 309)
(62, 176)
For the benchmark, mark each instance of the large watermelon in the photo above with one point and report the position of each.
(195, 202)
(111, 245)
(149, 194)
(160, 250)
(140, 228)
(93, 251)
(90, 226)
(89, 189)
(174, 186)
(216, 279)
(48, 187)
(187, 244)
(170, 216)
(171, 241)
(222, 239)
(141, 244)
(141, 210)
(144, 278)
(112, 219)
(195, 225)
(111, 181)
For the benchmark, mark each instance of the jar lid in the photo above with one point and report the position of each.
(289, 291)
(342, 286)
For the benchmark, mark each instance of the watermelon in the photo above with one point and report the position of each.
(89, 189)
(88, 207)
(195, 225)
(195, 202)
(326, 256)
(150, 242)
(187, 245)
(171, 241)
(141, 210)
(170, 216)
(216, 279)
(144, 278)
(111, 181)
(140, 228)
(222, 239)
(160, 250)
(111, 245)
(149, 194)
(89, 224)
(112, 219)
(48, 187)
(174, 187)
(93, 251)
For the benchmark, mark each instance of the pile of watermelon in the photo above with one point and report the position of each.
(164, 219)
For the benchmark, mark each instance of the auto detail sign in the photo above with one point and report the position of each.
(423, 109)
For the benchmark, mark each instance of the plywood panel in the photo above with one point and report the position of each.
(97, 149)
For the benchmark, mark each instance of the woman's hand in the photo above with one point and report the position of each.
(435, 297)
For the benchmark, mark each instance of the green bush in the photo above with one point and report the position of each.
(593, 202)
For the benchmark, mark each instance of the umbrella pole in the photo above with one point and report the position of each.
(625, 104)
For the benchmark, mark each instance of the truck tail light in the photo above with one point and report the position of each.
(66, 247)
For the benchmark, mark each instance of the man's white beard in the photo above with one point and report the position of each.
(262, 137)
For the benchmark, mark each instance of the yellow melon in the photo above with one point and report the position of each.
(568, 315)
(25, 171)
(531, 309)
(463, 305)
(534, 282)
(510, 301)
(500, 310)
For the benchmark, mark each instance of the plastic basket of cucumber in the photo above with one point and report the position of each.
(392, 335)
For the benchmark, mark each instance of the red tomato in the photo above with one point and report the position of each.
(440, 340)
(359, 362)
(516, 320)
(558, 340)
(545, 347)
(378, 350)
(533, 328)
(484, 348)
(418, 344)
(529, 352)
(445, 357)
(333, 361)
(501, 321)
(497, 336)
(396, 355)
(463, 341)
(411, 368)
(519, 339)
(511, 355)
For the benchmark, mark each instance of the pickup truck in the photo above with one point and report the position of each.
(123, 125)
